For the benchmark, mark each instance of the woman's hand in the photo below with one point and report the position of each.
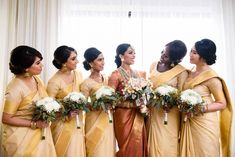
(41, 124)
(72, 114)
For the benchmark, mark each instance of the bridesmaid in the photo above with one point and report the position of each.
(163, 139)
(69, 141)
(100, 140)
(21, 135)
(129, 124)
(206, 135)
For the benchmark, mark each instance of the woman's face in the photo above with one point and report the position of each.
(98, 63)
(36, 67)
(165, 57)
(129, 56)
(72, 61)
(194, 56)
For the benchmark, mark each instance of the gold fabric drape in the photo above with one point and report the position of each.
(200, 134)
(24, 141)
(163, 139)
(69, 141)
(99, 133)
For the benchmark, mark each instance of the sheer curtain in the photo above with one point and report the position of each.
(147, 25)
(27, 22)
(228, 7)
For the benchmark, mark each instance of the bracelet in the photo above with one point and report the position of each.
(33, 125)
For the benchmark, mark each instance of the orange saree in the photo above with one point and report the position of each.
(129, 124)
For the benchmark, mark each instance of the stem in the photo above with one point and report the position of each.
(165, 118)
(185, 118)
(44, 131)
(110, 116)
(78, 122)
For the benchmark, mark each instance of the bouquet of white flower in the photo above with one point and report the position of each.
(166, 98)
(190, 102)
(75, 101)
(105, 98)
(45, 110)
(138, 90)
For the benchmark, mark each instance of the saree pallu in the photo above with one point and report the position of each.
(69, 141)
(24, 141)
(130, 133)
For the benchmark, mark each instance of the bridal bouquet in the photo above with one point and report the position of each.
(166, 98)
(106, 99)
(75, 101)
(45, 110)
(190, 102)
(138, 90)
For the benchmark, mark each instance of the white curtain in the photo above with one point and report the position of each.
(228, 7)
(27, 22)
(147, 24)
(150, 25)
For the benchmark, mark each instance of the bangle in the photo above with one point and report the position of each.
(33, 125)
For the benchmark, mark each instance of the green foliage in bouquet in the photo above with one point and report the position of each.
(190, 101)
(105, 98)
(164, 95)
(74, 101)
(45, 110)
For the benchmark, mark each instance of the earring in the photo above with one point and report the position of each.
(26, 74)
(91, 65)
(172, 64)
(64, 68)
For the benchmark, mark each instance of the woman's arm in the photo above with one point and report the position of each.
(9, 119)
(113, 80)
(216, 88)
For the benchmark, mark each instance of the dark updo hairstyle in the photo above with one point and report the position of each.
(206, 49)
(90, 55)
(61, 55)
(121, 49)
(23, 57)
(177, 50)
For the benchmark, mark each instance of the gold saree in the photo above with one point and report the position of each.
(99, 133)
(24, 141)
(69, 141)
(201, 134)
(163, 139)
(129, 124)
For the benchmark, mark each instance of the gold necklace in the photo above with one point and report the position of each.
(124, 73)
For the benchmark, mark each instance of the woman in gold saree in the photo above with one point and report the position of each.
(69, 141)
(201, 134)
(163, 139)
(99, 133)
(129, 124)
(21, 135)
